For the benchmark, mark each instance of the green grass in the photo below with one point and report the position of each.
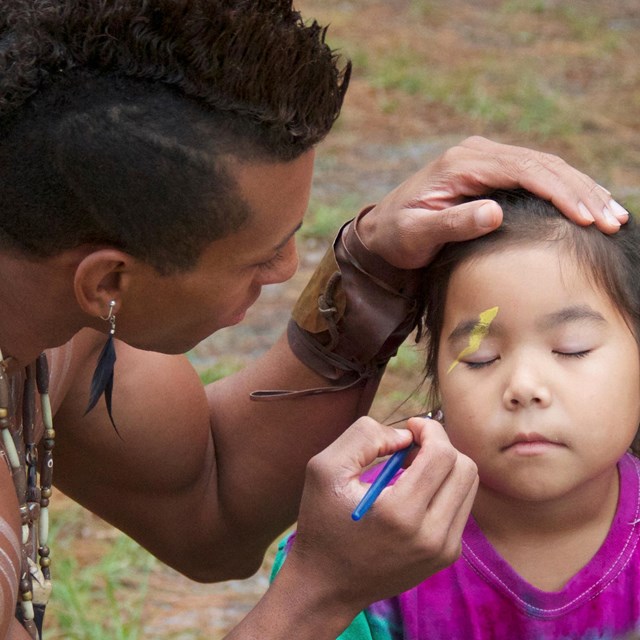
(222, 369)
(526, 92)
(102, 598)
(322, 220)
(500, 97)
(409, 359)
(632, 204)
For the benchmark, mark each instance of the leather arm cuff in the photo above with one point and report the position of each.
(354, 313)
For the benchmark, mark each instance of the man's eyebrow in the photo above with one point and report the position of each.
(574, 313)
(284, 242)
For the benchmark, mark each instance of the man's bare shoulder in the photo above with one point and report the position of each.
(138, 374)
(152, 393)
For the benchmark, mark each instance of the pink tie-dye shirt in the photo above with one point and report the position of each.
(480, 597)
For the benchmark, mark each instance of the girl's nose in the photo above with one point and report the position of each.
(526, 387)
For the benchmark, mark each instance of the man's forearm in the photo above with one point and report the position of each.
(263, 447)
(293, 608)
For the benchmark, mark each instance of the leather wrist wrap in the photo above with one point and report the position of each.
(352, 316)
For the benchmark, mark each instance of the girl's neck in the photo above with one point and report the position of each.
(548, 542)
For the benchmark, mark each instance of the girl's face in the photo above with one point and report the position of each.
(539, 373)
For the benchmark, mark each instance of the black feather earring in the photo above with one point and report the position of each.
(102, 381)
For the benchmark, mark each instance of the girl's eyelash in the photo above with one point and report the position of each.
(573, 354)
(562, 354)
(480, 365)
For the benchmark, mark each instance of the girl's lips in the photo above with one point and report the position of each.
(531, 443)
(531, 437)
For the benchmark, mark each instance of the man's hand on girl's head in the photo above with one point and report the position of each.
(411, 223)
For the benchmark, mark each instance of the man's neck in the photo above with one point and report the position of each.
(37, 305)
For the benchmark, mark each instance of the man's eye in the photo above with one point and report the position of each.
(269, 264)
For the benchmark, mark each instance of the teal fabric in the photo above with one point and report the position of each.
(365, 626)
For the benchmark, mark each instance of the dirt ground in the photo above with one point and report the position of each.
(582, 62)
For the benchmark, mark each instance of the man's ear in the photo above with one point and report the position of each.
(100, 277)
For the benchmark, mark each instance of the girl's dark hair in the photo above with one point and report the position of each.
(611, 261)
(118, 118)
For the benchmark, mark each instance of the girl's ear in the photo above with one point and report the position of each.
(100, 277)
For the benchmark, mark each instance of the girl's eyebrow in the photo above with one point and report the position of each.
(574, 313)
(477, 334)
(464, 329)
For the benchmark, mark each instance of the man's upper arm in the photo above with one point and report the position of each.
(154, 475)
(214, 472)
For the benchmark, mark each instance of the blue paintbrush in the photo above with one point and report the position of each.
(389, 470)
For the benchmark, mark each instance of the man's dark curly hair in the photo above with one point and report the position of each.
(118, 118)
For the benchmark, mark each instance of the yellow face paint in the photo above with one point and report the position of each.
(477, 335)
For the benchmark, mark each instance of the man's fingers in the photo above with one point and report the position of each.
(450, 510)
(455, 224)
(578, 196)
(413, 529)
(431, 468)
(457, 491)
(434, 494)
(360, 445)
(410, 225)
(436, 484)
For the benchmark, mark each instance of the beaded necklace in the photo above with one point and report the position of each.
(19, 447)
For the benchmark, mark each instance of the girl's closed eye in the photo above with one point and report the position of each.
(479, 363)
(578, 353)
(574, 346)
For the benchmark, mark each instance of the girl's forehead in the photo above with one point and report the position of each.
(532, 276)
(523, 256)
(534, 290)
